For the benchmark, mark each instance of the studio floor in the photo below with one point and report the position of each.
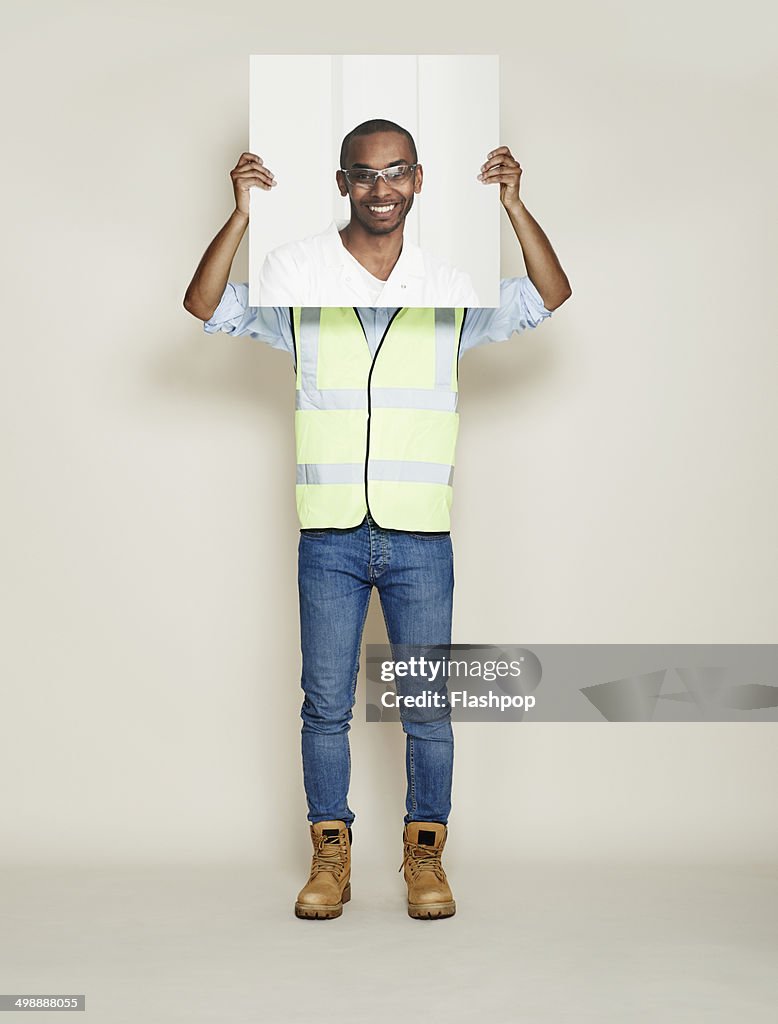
(542, 944)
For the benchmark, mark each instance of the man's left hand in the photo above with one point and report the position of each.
(500, 166)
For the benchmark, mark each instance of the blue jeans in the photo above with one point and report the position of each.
(414, 575)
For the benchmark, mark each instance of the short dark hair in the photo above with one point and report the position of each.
(377, 124)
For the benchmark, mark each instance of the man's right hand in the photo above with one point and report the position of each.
(249, 172)
(207, 286)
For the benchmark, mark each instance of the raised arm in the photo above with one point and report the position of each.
(543, 267)
(210, 279)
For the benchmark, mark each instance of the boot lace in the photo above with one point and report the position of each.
(423, 858)
(331, 860)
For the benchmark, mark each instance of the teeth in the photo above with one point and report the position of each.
(382, 209)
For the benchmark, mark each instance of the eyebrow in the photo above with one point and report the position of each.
(367, 167)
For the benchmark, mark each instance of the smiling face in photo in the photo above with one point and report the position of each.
(382, 208)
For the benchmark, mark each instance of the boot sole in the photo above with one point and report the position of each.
(431, 911)
(322, 911)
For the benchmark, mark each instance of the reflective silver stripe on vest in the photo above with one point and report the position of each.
(330, 473)
(413, 398)
(378, 469)
(417, 472)
(380, 398)
(444, 346)
(310, 317)
(332, 398)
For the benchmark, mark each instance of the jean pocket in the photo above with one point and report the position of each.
(434, 535)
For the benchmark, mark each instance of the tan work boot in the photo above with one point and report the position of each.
(329, 885)
(429, 895)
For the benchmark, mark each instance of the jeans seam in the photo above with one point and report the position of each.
(408, 739)
(354, 686)
(412, 774)
(359, 648)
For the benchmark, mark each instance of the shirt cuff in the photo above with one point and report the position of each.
(230, 310)
(533, 303)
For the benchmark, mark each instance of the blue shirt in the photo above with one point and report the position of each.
(520, 307)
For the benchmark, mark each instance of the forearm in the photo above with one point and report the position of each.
(210, 279)
(543, 267)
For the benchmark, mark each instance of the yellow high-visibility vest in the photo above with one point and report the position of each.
(378, 432)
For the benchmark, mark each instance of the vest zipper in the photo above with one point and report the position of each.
(370, 374)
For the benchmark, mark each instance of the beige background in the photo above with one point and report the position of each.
(616, 473)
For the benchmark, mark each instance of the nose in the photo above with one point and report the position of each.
(381, 188)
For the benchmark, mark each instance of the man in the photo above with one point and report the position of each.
(375, 426)
(367, 261)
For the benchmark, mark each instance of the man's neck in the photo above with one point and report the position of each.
(378, 254)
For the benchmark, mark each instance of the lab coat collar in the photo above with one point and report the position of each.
(410, 263)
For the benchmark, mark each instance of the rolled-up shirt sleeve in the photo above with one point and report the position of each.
(521, 307)
(233, 315)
